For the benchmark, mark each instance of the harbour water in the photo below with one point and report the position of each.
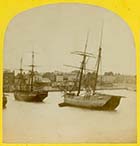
(48, 123)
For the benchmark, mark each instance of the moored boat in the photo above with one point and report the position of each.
(35, 96)
(90, 99)
(4, 101)
(97, 101)
(27, 92)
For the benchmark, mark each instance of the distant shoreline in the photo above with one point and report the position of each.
(98, 88)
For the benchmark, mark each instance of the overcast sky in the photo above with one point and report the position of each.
(54, 31)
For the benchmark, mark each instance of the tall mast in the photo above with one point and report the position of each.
(82, 65)
(21, 70)
(32, 71)
(98, 60)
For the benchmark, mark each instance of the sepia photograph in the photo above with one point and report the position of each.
(69, 76)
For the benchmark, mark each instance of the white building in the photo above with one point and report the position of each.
(59, 78)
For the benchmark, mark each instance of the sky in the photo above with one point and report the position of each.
(54, 31)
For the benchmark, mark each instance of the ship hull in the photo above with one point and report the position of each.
(4, 101)
(30, 96)
(96, 101)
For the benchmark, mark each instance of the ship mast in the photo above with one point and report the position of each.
(98, 60)
(21, 70)
(82, 66)
(32, 71)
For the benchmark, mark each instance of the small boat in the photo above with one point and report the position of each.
(4, 101)
(27, 92)
(90, 99)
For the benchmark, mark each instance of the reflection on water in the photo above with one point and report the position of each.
(48, 123)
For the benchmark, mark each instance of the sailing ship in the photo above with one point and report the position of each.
(90, 99)
(27, 92)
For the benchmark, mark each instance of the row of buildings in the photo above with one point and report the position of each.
(58, 79)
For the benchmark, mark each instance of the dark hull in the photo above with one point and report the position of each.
(30, 96)
(97, 101)
(4, 101)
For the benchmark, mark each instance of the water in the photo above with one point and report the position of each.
(48, 123)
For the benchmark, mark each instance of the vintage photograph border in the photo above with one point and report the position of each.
(128, 10)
